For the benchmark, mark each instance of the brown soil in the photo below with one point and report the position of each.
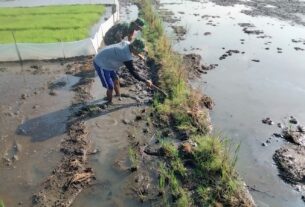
(72, 174)
(193, 66)
(291, 161)
(180, 31)
(167, 16)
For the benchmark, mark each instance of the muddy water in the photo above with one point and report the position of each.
(32, 125)
(110, 135)
(246, 91)
(112, 187)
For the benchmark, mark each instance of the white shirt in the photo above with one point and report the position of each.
(112, 57)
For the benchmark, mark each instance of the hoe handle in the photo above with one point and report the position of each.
(160, 90)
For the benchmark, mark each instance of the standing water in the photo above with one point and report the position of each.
(262, 77)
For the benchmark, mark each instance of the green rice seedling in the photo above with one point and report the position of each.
(48, 23)
(133, 157)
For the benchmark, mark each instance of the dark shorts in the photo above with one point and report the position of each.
(107, 76)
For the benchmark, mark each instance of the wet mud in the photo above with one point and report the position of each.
(32, 125)
(74, 173)
(283, 10)
(70, 173)
(290, 158)
(168, 16)
(194, 67)
(71, 169)
(180, 31)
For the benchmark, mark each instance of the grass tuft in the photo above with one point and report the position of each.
(133, 157)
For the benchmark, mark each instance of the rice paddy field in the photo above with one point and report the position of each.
(48, 23)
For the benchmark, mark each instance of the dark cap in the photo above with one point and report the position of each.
(138, 45)
(139, 22)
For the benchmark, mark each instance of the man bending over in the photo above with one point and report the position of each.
(108, 61)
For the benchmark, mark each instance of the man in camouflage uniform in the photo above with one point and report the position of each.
(121, 30)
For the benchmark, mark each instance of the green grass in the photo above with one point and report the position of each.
(1, 203)
(215, 171)
(48, 23)
(133, 156)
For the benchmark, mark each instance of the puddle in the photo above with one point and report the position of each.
(32, 125)
(249, 86)
(110, 135)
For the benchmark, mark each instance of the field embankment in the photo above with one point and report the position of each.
(195, 167)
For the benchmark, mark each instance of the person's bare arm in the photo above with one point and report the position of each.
(131, 69)
(130, 37)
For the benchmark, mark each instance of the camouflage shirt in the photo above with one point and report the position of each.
(117, 33)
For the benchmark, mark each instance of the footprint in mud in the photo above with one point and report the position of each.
(121, 162)
(106, 122)
(2, 69)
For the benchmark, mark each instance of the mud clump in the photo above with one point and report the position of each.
(126, 79)
(168, 16)
(291, 162)
(296, 136)
(228, 53)
(52, 93)
(248, 28)
(72, 174)
(249, 31)
(82, 90)
(290, 159)
(267, 121)
(193, 66)
(56, 85)
(180, 31)
(299, 49)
